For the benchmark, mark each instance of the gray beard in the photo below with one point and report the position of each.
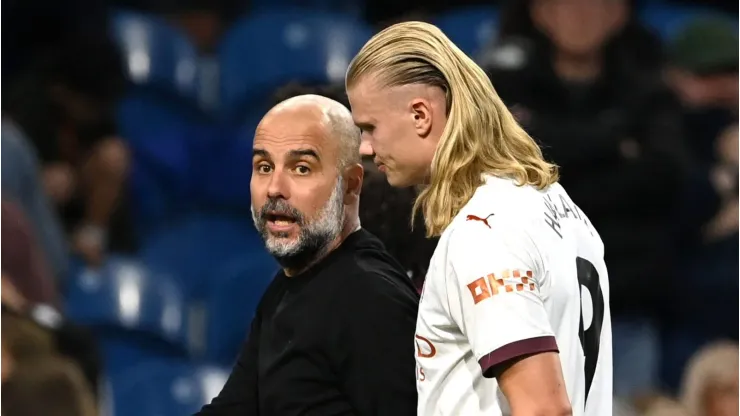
(314, 236)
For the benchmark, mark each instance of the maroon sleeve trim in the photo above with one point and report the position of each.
(516, 349)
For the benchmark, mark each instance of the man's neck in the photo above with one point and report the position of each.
(349, 228)
(577, 68)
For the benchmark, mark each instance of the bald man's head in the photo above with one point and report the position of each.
(306, 178)
(330, 115)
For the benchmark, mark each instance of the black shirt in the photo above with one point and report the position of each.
(335, 340)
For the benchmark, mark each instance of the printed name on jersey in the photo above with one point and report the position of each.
(484, 220)
(553, 215)
(504, 282)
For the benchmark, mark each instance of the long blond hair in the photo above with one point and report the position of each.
(481, 135)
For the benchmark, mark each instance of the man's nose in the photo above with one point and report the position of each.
(278, 186)
(366, 149)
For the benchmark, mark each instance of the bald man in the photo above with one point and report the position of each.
(333, 333)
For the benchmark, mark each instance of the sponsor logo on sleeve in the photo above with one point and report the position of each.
(506, 281)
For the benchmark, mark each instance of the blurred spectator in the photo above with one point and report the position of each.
(22, 340)
(623, 407)
(7, 365)
(21, 184)
(666, 407)
(710, 383)
(704, 74)
(202, 20)
(385, 211)
(33, 331)
(582, 77)
(601, 35)
(65, 105)
(47, 387)
(725, 224)
(22, 262)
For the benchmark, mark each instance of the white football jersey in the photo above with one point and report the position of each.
(518, 271)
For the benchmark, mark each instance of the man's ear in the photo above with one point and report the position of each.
(421, 113)
(353, 176)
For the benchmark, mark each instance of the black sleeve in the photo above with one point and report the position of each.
(378, 369)
(239, 395)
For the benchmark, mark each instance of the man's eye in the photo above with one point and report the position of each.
(302, 170)
(264, 168)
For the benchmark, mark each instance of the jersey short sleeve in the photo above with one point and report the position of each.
(495, 285)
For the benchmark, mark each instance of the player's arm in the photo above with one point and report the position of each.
(495, 297)
(376, 355)
(239, 394)
(533, 384)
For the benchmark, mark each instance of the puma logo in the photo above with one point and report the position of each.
(477, 218)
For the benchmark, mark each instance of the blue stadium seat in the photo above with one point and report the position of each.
(125, 294)
(667, 19)
(222, 169)
(232, 301)
(161, 183)
(166, 388)
(193, 250)
(302, 45)
(156, 54)
(158, 114)
(470, 28)
(122, 351)
(134, 311)
(162, 66)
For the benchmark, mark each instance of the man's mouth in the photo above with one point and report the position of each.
(280, 219)
(379, 164)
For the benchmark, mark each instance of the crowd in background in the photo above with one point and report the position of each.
(645, 132)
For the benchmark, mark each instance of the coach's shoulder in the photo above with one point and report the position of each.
(381, 300)
(382, 287)
(388, 281)
(374, 266)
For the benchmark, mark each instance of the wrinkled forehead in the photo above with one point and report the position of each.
(284, 133)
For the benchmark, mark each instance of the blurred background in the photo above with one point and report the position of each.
(131, 269)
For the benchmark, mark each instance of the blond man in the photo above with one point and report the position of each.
(514, 317)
